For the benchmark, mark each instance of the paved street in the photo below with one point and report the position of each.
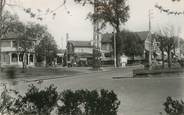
(139, 96)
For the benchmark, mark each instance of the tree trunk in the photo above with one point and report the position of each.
(169, 58)
(117, 46)
(23, 63)
(133, 59)
(163, 61)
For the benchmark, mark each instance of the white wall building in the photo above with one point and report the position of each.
(11, 56)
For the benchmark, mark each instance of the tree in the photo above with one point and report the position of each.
(168, 41)
(131, 44)
(161, 39)
(25, 44)
(113, 12)
(46, 50)
(36, 30)
(29, 34)
(9, 23)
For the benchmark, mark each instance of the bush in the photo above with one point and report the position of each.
(174, 107)
(42, 102)
(34, 102)
(85, 102)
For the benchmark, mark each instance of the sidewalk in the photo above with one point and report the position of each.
(117, 73)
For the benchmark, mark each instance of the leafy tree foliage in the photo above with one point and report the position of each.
(174, 107)
(29, 34)
(46, 49)
(113, 12)
(168, 42)
(161, 39)
(131, 44)
(85, 102)
(9, 23)
(43, 101)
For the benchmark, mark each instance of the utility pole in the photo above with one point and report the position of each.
(114, 36)
(67, 37)
(150, 40)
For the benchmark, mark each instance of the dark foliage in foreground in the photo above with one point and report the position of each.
(34, 101)
(174, 107)
(43, 101)
(85, 102)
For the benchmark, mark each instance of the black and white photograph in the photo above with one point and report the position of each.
(91, 57)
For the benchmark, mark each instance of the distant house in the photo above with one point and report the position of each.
(107, 47)
(79, 52)
(10, 54)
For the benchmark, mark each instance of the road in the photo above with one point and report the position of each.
(138, 96)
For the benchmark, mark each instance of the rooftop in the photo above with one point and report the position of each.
(80, 43)
(10, 35)
(143, 34)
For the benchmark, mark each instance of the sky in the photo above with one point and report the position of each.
(80, 28)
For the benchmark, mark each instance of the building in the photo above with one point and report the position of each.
(106, 48)
(10, 54)
(79, 53)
